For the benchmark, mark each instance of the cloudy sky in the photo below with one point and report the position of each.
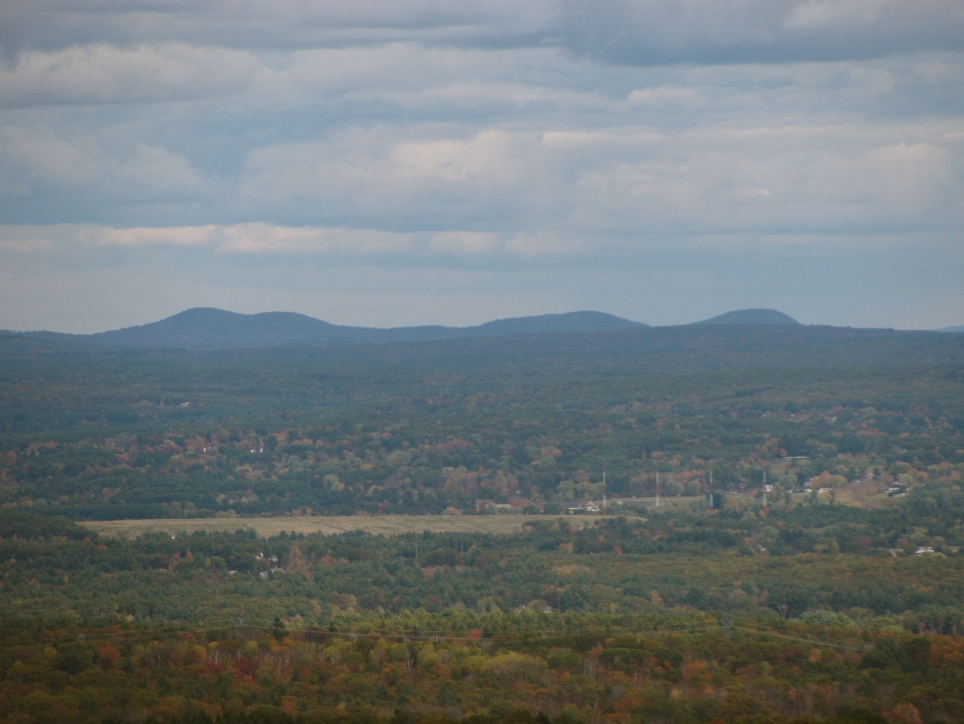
(395, 162)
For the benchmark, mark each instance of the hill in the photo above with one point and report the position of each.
(209, 328)
(633, 351)
(96, 431)
(956, 330)
(752, 316)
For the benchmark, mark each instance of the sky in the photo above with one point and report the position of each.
(401, 162)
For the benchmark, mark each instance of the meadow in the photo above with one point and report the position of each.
(323, 525)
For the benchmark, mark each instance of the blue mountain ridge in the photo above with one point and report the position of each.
(209, 328)
(752, 316)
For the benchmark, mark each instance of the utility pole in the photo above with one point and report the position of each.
(766, 466)
(238, 623)
(711, 487)
(657, 487)
(604, 486)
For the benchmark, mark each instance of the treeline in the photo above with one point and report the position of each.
(778, 561)
(801, 612)
(514, 716)
(523, 668)
(25, 525)
(500, 716)
(214, 434)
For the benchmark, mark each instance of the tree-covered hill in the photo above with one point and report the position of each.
(744, 616)
(208, 328)
(752, 316)
(819, 574)
(420, 428)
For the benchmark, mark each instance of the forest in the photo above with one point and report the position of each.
(680, 616)
(805, 563)
(92, 433)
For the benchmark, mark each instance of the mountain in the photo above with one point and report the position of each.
(209, 328)
(956, 330)
(752, 316)
(578, 355)
(549, 323)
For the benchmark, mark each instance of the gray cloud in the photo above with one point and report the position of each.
(40, 161)
(432, 161)
(639, 32)
(803, 177)
(642, 32)
(53, 24)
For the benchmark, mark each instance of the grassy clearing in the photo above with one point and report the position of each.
(268, 527)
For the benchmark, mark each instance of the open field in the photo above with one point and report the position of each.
(328, 525)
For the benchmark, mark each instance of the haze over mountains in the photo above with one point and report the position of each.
(206, 328)
(210, 328)
(578, 346)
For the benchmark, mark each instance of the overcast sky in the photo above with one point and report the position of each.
(397, 162)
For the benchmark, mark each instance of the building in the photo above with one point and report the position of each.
(587, 505)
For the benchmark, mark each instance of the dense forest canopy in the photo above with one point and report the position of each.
(425, 428)
(676, 617)
(808, 563)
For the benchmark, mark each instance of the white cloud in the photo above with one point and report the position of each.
(489, 159)
(258, 238)
(370, 177)
(425, 78)
(32, 154)
(36, 159)
(158, 170)
(146, 236)
(897, 183)
(543, 243)
(393, 66)
(684, 97)
(25, 246)
(748, 193)
(937, 71)
(584, 184)
(806, 178)
(491, 98)
(605, 140)
(464, 242)
(104, 73)
(252, 238)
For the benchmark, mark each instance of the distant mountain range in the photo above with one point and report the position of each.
(209, 328)
(955, 330)
(753, 316)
